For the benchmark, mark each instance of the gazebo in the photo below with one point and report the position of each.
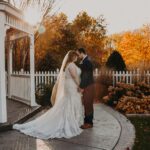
(19, 87)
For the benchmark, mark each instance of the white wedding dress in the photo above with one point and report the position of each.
(64, 118)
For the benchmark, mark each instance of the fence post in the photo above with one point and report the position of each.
(32, 71)
(148, 77)
(113, 78)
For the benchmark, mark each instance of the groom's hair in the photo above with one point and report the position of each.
(81, 50)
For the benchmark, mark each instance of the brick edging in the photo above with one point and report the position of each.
(137, 115)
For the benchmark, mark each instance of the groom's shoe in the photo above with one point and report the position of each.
(86, 126)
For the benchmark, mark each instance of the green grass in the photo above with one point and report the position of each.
(142, 127)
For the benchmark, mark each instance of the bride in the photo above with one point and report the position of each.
(66, 116)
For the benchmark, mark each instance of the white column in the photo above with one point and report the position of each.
(3, 109)
(32, 69)
(9, 69)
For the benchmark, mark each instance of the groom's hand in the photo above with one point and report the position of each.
(80, 90)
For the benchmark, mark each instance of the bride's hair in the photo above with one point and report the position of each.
(71, 55)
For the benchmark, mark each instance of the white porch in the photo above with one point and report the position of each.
(12, 19)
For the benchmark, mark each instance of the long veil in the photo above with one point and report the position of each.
(58, 89)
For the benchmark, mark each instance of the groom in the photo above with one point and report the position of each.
(86, 87)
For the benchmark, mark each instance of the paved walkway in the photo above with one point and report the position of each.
(16, 110)
(104, 135)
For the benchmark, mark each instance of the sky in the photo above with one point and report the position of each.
(120, 15)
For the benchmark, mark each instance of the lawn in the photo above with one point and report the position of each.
(142, 127)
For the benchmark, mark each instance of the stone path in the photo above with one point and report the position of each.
(104, 135)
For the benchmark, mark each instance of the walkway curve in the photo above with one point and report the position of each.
(103, 136)
(105, 133)
(127, 135)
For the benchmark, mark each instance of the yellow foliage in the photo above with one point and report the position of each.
(134, 46)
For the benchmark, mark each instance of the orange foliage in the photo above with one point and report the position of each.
(134, 46)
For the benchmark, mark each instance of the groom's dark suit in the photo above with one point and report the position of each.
(87, 84)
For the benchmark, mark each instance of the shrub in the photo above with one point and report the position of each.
(127, 98)
(134, 105)
(43, 94)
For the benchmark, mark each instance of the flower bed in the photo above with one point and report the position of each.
(129, 98)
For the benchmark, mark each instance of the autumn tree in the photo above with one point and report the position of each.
(53, 44)
(21, 46)
(90, 34)
(61, 36)
(134, 46)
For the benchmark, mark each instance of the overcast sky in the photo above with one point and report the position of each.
(121, 15)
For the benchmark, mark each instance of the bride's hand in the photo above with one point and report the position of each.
(79, 89)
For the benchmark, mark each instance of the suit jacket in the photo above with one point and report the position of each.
(87, 73)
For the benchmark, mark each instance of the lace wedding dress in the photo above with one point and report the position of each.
(65, 117)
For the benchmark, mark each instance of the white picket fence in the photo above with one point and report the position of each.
(20, 81)
(47, 77)
(20, 88)
(129, 77)
(147, 76)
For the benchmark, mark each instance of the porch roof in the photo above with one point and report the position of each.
(15, 18)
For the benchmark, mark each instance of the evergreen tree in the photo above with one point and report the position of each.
(116, 62)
